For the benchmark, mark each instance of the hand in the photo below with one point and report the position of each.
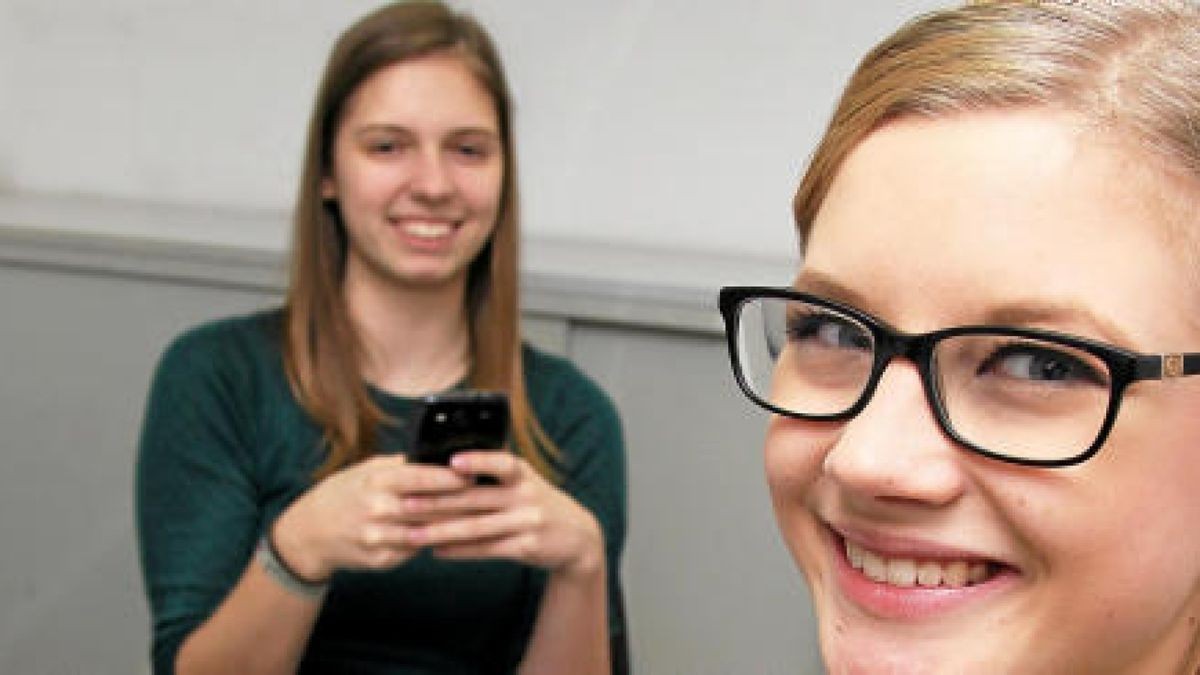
(523, 518)
(356, 518)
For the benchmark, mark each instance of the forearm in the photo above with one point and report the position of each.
(261, 627)
(571, 630)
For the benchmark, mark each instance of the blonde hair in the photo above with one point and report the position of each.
(1131, 66)
(321, 348)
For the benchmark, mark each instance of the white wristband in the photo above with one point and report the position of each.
(283, 575)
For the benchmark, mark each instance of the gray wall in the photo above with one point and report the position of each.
(709, 587)
(76, 349)
(645, 122)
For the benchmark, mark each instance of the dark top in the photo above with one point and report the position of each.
(225, 447)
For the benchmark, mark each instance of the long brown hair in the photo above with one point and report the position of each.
(1127, 66)
(322, 351)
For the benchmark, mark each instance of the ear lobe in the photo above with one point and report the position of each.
(328, 188)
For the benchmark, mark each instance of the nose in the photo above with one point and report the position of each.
(894, 452)
(431, 179)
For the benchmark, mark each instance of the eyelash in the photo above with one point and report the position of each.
(472, 151)
(1078, 369)
(807, 325)
(467, 150)
(383, 147)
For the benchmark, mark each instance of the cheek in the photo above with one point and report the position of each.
(794, 453)
(1153, 470)
(1144, 484)
(363, 185)
(794, 456)
(484, 192)
(359, 182)
(1126, 523)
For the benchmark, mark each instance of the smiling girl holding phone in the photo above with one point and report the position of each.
(279, 531)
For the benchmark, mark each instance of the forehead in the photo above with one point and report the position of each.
(437, 89)
(935, 222)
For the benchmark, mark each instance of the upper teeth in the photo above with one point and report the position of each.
(426, 229)
(908, 572)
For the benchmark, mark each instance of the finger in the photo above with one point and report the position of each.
(503, 466)
(388, 459)
(383, 506)
(374, 537)
(521, 548)
(383, 558)
(476, 528)
(411, 478)
(465, 502)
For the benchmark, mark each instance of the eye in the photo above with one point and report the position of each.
(383, 146)
(1042, 363)
(472, 146)
(827, 330)
(472, 152)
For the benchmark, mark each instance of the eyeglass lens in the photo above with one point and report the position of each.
(1020, 397)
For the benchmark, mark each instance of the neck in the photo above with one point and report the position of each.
(415, 340)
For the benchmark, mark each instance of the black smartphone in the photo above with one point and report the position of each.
(459, 420)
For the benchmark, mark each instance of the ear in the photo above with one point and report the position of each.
(328, 188)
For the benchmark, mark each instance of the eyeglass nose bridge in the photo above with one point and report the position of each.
(917, 349)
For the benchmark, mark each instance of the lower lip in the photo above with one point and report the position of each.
(912, 603)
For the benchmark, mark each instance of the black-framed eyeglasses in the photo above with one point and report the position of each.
(1021, 395)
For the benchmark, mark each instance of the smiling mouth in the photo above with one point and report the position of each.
(426, 228)
(911, 572)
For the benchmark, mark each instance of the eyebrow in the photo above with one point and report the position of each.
(824, 285)
(375, 127)
(1026, 313)
(1042, 312)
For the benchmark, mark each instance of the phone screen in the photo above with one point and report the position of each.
(455, 421)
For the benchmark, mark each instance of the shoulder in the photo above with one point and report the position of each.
(211, 386)
(249, 333)
(575, 413)
(558, 388)
(222, 365)
(229, 345)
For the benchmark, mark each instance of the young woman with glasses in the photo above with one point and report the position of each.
(282, 528)
(985, 448)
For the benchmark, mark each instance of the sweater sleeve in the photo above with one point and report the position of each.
(594, 452)
(196, 502)
(584, 423)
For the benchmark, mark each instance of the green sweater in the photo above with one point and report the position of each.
(225, 448)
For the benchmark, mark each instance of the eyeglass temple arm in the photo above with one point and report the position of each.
(1164, 366)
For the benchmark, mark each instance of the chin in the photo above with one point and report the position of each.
(430, 278)
(850, 649)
